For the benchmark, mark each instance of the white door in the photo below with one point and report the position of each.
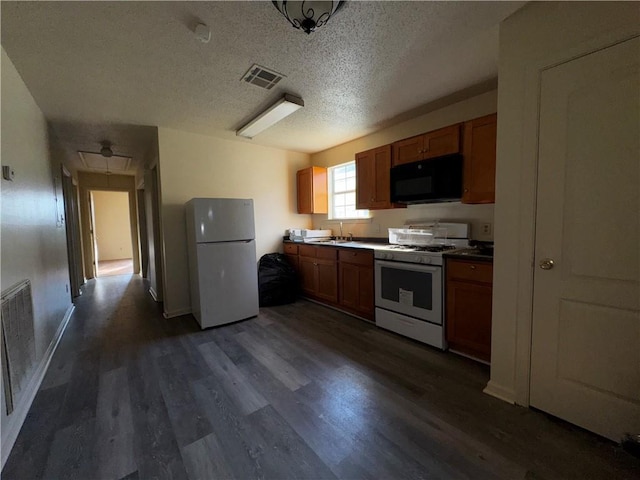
(585, 362)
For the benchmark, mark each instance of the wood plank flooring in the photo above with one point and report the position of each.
(301, 391)
(115, 267)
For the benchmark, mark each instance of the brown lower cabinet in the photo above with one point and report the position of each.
(469, 288)
(291, 252)
(318, 269)
(356, 281)
(340, 277)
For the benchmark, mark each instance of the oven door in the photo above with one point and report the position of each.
(410, 289)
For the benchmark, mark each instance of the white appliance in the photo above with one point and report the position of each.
(222, 260)
(306, 235)
(409, 280)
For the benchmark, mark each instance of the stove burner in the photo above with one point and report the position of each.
(424, 248)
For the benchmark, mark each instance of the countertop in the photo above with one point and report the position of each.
(370, 244)
(375, 244)
(469, 254)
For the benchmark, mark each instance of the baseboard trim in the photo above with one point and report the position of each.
(153, 294)
(500, 392)
(16, 419)
(177, 313)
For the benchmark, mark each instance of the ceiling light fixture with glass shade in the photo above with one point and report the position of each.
(308, 15)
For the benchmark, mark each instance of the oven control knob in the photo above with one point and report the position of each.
(388, 256)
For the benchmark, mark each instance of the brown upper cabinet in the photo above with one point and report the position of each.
(312, 190)
(444, 141)
(479, 151)
(373, 179)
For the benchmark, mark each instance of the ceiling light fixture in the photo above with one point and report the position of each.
(106, 151)
(308, 15)
(272, 115)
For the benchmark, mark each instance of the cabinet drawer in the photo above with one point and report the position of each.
(470, 271)
(358, 257)
(290, 248)
(326, 252)
(307, 251)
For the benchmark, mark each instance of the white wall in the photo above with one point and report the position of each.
(383, 219)
(194, 165)
(540, 35)
(33, 245)
(113, 227)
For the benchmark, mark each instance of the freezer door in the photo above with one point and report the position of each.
(228, 282)
(220, 219)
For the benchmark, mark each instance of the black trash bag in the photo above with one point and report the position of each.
(277, 280)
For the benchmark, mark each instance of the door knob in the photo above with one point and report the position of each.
(546, 264)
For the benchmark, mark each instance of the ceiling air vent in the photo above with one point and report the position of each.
(262, 77)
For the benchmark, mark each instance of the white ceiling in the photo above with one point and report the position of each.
(93, 65)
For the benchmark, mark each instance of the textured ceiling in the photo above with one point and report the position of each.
(139, 63)
(132, 141)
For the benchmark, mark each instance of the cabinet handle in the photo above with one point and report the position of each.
(466, 190)
(315, 263)
(473, 267)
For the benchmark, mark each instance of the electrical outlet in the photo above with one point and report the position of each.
(485, 229)
(66, 287)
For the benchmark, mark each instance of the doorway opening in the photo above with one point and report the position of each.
(112, 246)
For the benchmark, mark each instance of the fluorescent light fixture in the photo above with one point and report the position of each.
(272, 115)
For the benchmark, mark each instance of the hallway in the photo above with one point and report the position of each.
(301, 391)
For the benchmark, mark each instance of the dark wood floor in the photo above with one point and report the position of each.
(299, 392)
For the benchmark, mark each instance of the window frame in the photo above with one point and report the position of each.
(331, 183)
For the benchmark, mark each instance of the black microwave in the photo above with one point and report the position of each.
(428, 181)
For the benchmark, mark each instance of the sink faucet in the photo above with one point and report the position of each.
(350, 237)
(340, 229)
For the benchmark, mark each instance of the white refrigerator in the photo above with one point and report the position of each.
(222, 260)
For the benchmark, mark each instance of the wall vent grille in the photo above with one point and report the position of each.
(262, 77)
(18, 342)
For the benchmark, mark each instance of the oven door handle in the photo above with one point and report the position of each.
(408, 266)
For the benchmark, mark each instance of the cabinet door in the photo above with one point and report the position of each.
(365, 179)
(349, 285)
(382, 178)
(373, 178)
(408, 150)
(307, 270)
(366, 291)
(444, 141)
(480, 160)
(293, 260)
(304, 180)
(312, 190)
(469, 318)
(327, 280)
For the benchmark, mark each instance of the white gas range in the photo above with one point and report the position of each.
(409, 279)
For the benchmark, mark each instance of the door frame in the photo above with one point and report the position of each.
(513, 298)
(72, 225)
(108, 183)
